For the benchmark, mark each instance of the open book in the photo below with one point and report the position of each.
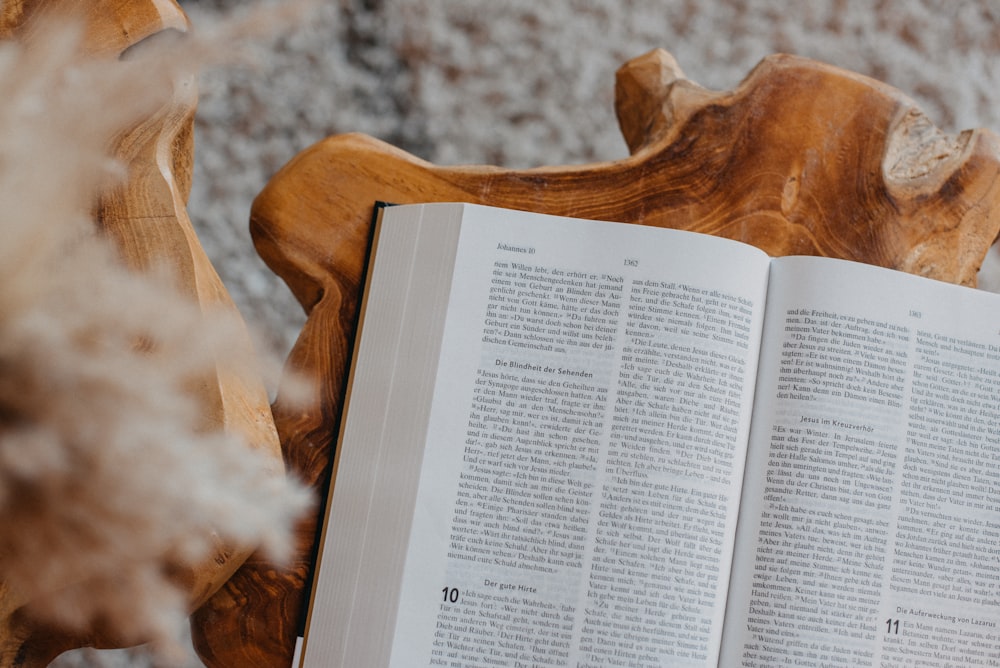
(575, 443)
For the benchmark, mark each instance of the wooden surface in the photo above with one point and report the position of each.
(800, 158)
(147, 218)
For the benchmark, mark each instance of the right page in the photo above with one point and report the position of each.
(869, 533)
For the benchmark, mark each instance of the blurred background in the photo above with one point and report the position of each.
(523, 83)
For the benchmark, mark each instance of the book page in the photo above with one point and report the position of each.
(870, 533)
(585, 447)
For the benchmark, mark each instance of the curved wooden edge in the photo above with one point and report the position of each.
(110, 26)
(146, 216)
(821, 161)
(920, 228)
(801, 158)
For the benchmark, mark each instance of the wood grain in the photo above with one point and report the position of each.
(146, 216)
(800, 158)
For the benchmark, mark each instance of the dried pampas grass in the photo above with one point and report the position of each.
(109, 480)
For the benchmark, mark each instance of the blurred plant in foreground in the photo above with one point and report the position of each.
(110, 482)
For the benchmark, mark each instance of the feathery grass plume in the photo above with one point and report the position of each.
(109, 480)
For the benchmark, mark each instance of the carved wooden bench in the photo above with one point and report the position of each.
(801, 158)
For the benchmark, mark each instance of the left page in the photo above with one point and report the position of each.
(583, 453)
